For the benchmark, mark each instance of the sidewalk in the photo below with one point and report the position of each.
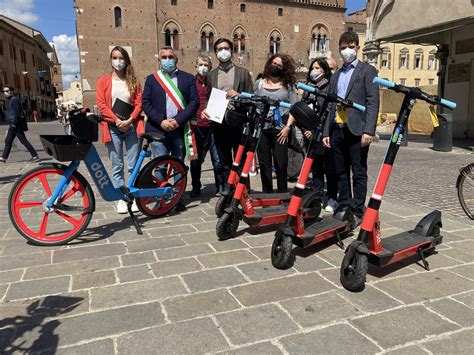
(176, 289)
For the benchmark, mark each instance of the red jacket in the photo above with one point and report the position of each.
(103, 96)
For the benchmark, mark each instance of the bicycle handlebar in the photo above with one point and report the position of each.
(416, 93)
(330, 97)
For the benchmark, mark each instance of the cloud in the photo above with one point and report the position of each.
(68, 56)
(19, 10)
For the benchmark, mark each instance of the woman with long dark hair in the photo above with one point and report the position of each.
(120, 84)
(277, 82)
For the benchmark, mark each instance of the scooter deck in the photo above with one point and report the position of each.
(321, 229)
(267, 215)
(267, 196)
(400, 246)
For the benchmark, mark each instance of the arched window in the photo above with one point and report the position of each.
(432, 60)
(274, 44)
(319, 39)
(242, 8)
(385, 59)
(118, 16)
(239, 35)
(418, 64)
(207, 37)
(404, 58)
(171, 35)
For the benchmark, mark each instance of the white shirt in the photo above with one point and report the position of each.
(120, 91)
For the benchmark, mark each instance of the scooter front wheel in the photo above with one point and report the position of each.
(282, 246)
(227, 226)
(353, 276)
(222, 203)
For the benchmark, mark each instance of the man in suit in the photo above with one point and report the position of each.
(233, 80)
(347, 131)
(170, 100)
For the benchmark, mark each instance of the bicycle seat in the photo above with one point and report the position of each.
(153, 136)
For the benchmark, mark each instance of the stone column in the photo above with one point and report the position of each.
(372, 50)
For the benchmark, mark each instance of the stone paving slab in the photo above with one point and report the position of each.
(177, 289)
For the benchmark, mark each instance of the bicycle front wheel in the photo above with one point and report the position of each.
(57, 225)
(465, 187)
(163, 171)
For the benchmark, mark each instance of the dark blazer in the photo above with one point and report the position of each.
(363, 91)
(15, 114)
(242, 80)
(154, 101)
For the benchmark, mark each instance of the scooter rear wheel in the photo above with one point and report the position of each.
(227, 226)
(353, 277)
(282, 246)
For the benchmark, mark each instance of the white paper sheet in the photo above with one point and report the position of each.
(217, 105)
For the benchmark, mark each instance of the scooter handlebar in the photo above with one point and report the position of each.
(449, 104)
(383, 82)
(245, 95)
(305, 87)
(330, 97)
(358, 107)
(285, 104)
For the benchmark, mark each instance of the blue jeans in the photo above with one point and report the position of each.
(115, 150)
(173, 145)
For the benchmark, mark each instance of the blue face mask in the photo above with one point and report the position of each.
(168, 65)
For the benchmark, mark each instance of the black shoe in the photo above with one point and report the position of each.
(3, 160)
(180, 206)
(195, 193)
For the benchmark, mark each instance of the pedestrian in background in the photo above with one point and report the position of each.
(121, 83)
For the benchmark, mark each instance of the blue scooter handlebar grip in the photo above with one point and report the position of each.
(383, 82)
(245, 95)
(358, 107)
(285, 104)
(447, 103)
(305, 87)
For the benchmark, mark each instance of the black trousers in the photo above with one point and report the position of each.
(269, 148)
(205, 143)
(227, 141)
(347, 152)
(11, 134)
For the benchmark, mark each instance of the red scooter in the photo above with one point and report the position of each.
(275, 207)
(296, 230)
(369, 246)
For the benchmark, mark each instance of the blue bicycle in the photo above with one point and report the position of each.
(53, 203)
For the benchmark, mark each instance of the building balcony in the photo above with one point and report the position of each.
(319, 54)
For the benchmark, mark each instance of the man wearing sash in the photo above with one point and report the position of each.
(170, 101)
(347, 131)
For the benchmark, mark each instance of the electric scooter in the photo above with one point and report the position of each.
(296, 230)
(228, 222)
(369, 246)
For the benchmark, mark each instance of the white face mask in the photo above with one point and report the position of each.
(316, 74)
(224, 55)
(203, 70)
(348, 55)
(7, 94)
(118, 64)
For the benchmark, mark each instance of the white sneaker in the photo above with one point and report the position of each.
(331, 206)
(122, 207)
(134, 206)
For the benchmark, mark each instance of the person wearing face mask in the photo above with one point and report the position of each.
(319, 75)
(121, 83)
(233, 80)
(277, 82)
(203, 133)
(349, 132)
(16, 126)
(170, 100)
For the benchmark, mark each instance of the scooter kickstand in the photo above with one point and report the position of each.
(339, 242)
(134, 219)
(423, 259)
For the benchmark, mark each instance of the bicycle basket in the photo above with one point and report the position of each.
(237, 114)
(64, 148)
(304, 115)
(83, 128)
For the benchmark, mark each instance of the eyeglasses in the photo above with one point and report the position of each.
(167, 57)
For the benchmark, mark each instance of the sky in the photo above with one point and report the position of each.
(56, 20)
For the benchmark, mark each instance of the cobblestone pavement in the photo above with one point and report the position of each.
(176, 289)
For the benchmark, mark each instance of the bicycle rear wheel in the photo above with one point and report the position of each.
(57, 225)
(164, 171)
(465, 187)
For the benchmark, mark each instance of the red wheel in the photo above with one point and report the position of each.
(56, 225)
(161, 172)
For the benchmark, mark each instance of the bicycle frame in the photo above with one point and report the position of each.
(104, 183)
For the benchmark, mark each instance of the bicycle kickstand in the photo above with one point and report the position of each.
(134, 219)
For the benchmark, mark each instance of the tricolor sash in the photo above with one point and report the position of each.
(177, 98)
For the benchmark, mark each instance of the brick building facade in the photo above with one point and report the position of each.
(304, 29)
(24, 64)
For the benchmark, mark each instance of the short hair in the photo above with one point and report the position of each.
(349, 37)
(11, 88)
(168, 48)
(222, 40)
(204, 58)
